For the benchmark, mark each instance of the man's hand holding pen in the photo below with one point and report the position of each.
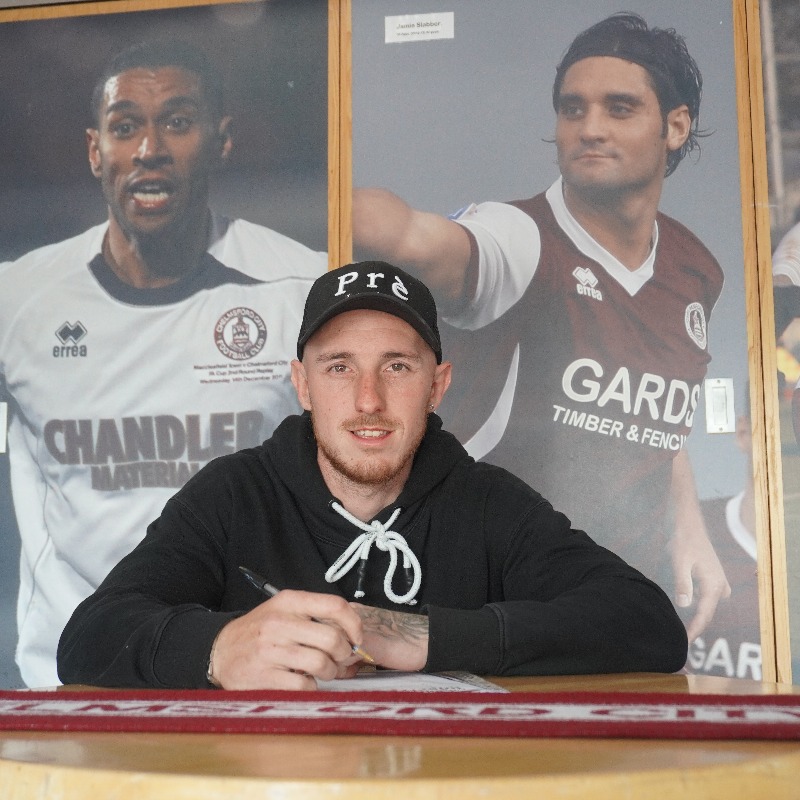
(281, 644)
(296, 638)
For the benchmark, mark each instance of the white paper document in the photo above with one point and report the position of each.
(387, 680)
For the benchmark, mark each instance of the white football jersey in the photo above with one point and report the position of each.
(118, 395)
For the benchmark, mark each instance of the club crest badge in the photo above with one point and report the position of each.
(240, 334)
(695, 320)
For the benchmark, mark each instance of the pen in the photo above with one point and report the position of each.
(269, 590)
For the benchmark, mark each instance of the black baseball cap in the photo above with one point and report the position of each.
(372, 285)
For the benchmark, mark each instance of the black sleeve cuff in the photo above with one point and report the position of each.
(181, 657)
(464, 640)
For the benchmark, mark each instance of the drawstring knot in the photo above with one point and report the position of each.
(384, 539)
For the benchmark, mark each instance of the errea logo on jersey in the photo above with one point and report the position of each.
(70, 335)
(586, 283)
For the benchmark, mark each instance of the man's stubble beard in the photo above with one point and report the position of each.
(367, 473)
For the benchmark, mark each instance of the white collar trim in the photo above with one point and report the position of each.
(630, 280)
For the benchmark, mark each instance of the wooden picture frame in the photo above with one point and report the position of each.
(280, 63)
(772, 575)
(740, 129)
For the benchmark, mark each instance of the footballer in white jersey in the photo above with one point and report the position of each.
(136, 352)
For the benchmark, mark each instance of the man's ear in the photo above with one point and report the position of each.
(679, 125)
(93, 146)
(300, 383)
(224, 136)
(441, 381)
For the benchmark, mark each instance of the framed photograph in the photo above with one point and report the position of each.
(453, 113)
(277, 67)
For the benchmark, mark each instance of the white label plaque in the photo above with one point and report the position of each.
(420, 27)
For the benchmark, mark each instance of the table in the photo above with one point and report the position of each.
(141, 766)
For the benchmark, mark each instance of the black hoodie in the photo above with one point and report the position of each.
(508, 586)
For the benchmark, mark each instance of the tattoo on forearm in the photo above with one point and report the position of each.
(410, 628)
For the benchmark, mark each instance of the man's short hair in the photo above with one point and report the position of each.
(163, 53)
(675, 76)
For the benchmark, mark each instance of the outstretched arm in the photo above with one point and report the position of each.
(693, 556)
(434, 247)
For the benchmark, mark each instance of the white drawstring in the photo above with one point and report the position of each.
(385, 540)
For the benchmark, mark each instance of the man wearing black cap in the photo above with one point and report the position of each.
(580, 315)
(383, 534)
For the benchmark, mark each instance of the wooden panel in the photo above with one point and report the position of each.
(772, 575)
(343, 200)
(101, 7)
